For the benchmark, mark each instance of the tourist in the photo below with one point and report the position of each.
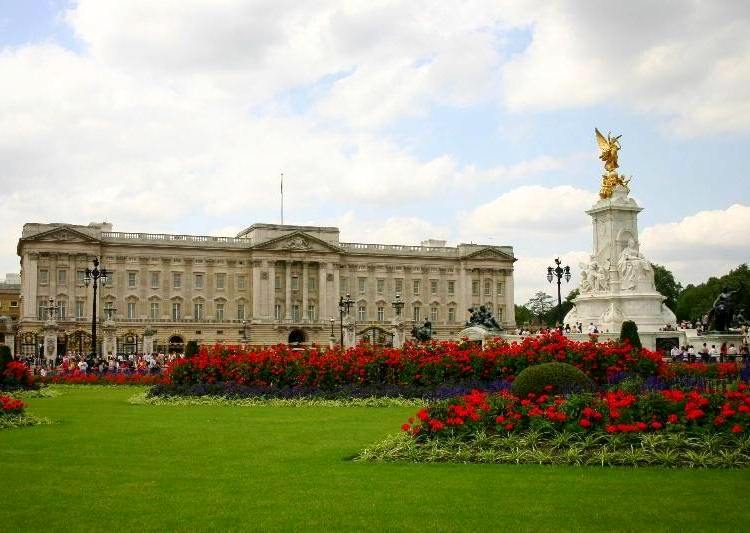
(723, 352)
(704, 353)
(675, 353)
(691, 354)
(732, 353)
(713, 354)
(591, 328)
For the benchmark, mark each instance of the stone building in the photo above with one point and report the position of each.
(269, 284)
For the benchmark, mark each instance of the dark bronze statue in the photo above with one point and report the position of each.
(721, 315)
(422, 333)
(482, 317)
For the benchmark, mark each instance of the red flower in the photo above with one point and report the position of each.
(584, 423)
(405, 427)
(673, 419)
(656, 425)
(736, 428)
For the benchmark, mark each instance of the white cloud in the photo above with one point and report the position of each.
(687, 62)
(534, 211)
(708, 243)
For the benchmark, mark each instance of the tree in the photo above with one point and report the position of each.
(667, 286)
(523, 315)
(191, 348)
(567, 305)
(540, 305)
(696, 300)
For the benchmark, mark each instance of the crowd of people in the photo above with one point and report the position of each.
(86, 363)
(724, 354)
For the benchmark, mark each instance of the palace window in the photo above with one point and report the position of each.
(399, 285)
(380, 286)
(277, 281)
(155, 279)
(344, 285)
(43, 277)
(176, 280)
(311, 283)
(241, 282)
(295, 312)
(61, 304)
(80, 275)
(42, 309)
(132, 279)
(277, 311)
(198, 311)
(295, 283)
(500, 288)
(109, 310)
(499, 314)
(362, 313)
(240, 311)
(131, 310)
(80, 309)
(362, 285)
(433, 286)
(153, 311)
(381, 314)
(416, 286)
(198, 281)
(62, 277)
(311, 312)
(451, 287)
(221, 280)
(451, 314)
(434, 313)
(488, 287)
(475, 288)
(417, 313)
(13, 303)
(220, 312)
(176, 311)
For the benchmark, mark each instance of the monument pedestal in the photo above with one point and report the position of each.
(350, 338)
(50, 341)
(399, 334)
(109, 343)
(618, 283)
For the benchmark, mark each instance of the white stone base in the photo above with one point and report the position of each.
(607, 311)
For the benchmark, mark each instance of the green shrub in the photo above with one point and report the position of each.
(629, 333)
(191, 348)
(562, 377)
(5, 358)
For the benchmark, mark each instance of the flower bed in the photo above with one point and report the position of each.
(670, 427)
(16, 376)
(92, 378)
(420, 365)
(13, 415)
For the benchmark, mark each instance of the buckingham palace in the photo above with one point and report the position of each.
(269, 284)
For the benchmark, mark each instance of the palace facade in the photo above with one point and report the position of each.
(269, 284)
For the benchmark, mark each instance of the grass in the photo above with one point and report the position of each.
(110, 465)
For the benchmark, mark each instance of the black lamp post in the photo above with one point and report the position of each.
(333, 321)
(94, 275)
(558, 272)
(344, 305)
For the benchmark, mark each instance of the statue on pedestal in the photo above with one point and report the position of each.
(482, 317)
(609, 146)
(422, 333)
(721, 315)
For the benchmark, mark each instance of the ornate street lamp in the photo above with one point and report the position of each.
(398, 305)
(92, 276)
(344, 305)
(558, 272)
(333, 321)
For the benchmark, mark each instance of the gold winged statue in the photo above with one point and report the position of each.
(609, 147)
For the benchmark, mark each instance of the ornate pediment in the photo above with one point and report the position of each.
(490, 253)
(298, 241)
(62, 233)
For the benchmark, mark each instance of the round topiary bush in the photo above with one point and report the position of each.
(629, 333)
(551, 378)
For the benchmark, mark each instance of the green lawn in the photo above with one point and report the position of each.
(109, 465)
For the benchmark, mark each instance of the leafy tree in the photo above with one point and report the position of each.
(567, 305)
(523, 315)
(667, 286)
(540, 305)
(191, 348)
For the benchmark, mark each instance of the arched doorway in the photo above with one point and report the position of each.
(176, 344)
(296, 336)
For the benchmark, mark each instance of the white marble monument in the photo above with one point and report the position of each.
(617, 284)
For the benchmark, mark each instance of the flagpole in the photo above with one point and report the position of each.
(282, 198)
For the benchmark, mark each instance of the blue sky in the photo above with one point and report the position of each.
(396, 121)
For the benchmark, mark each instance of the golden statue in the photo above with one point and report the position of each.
(610, 179)
(609, 148)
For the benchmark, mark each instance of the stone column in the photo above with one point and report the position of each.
(460, 295)
(270, 289)
(29, 286)
(288, 291)
(322, 292)
(50, 340)
(335, 291)
(305, 290)
(256, 293)
(510, 308)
